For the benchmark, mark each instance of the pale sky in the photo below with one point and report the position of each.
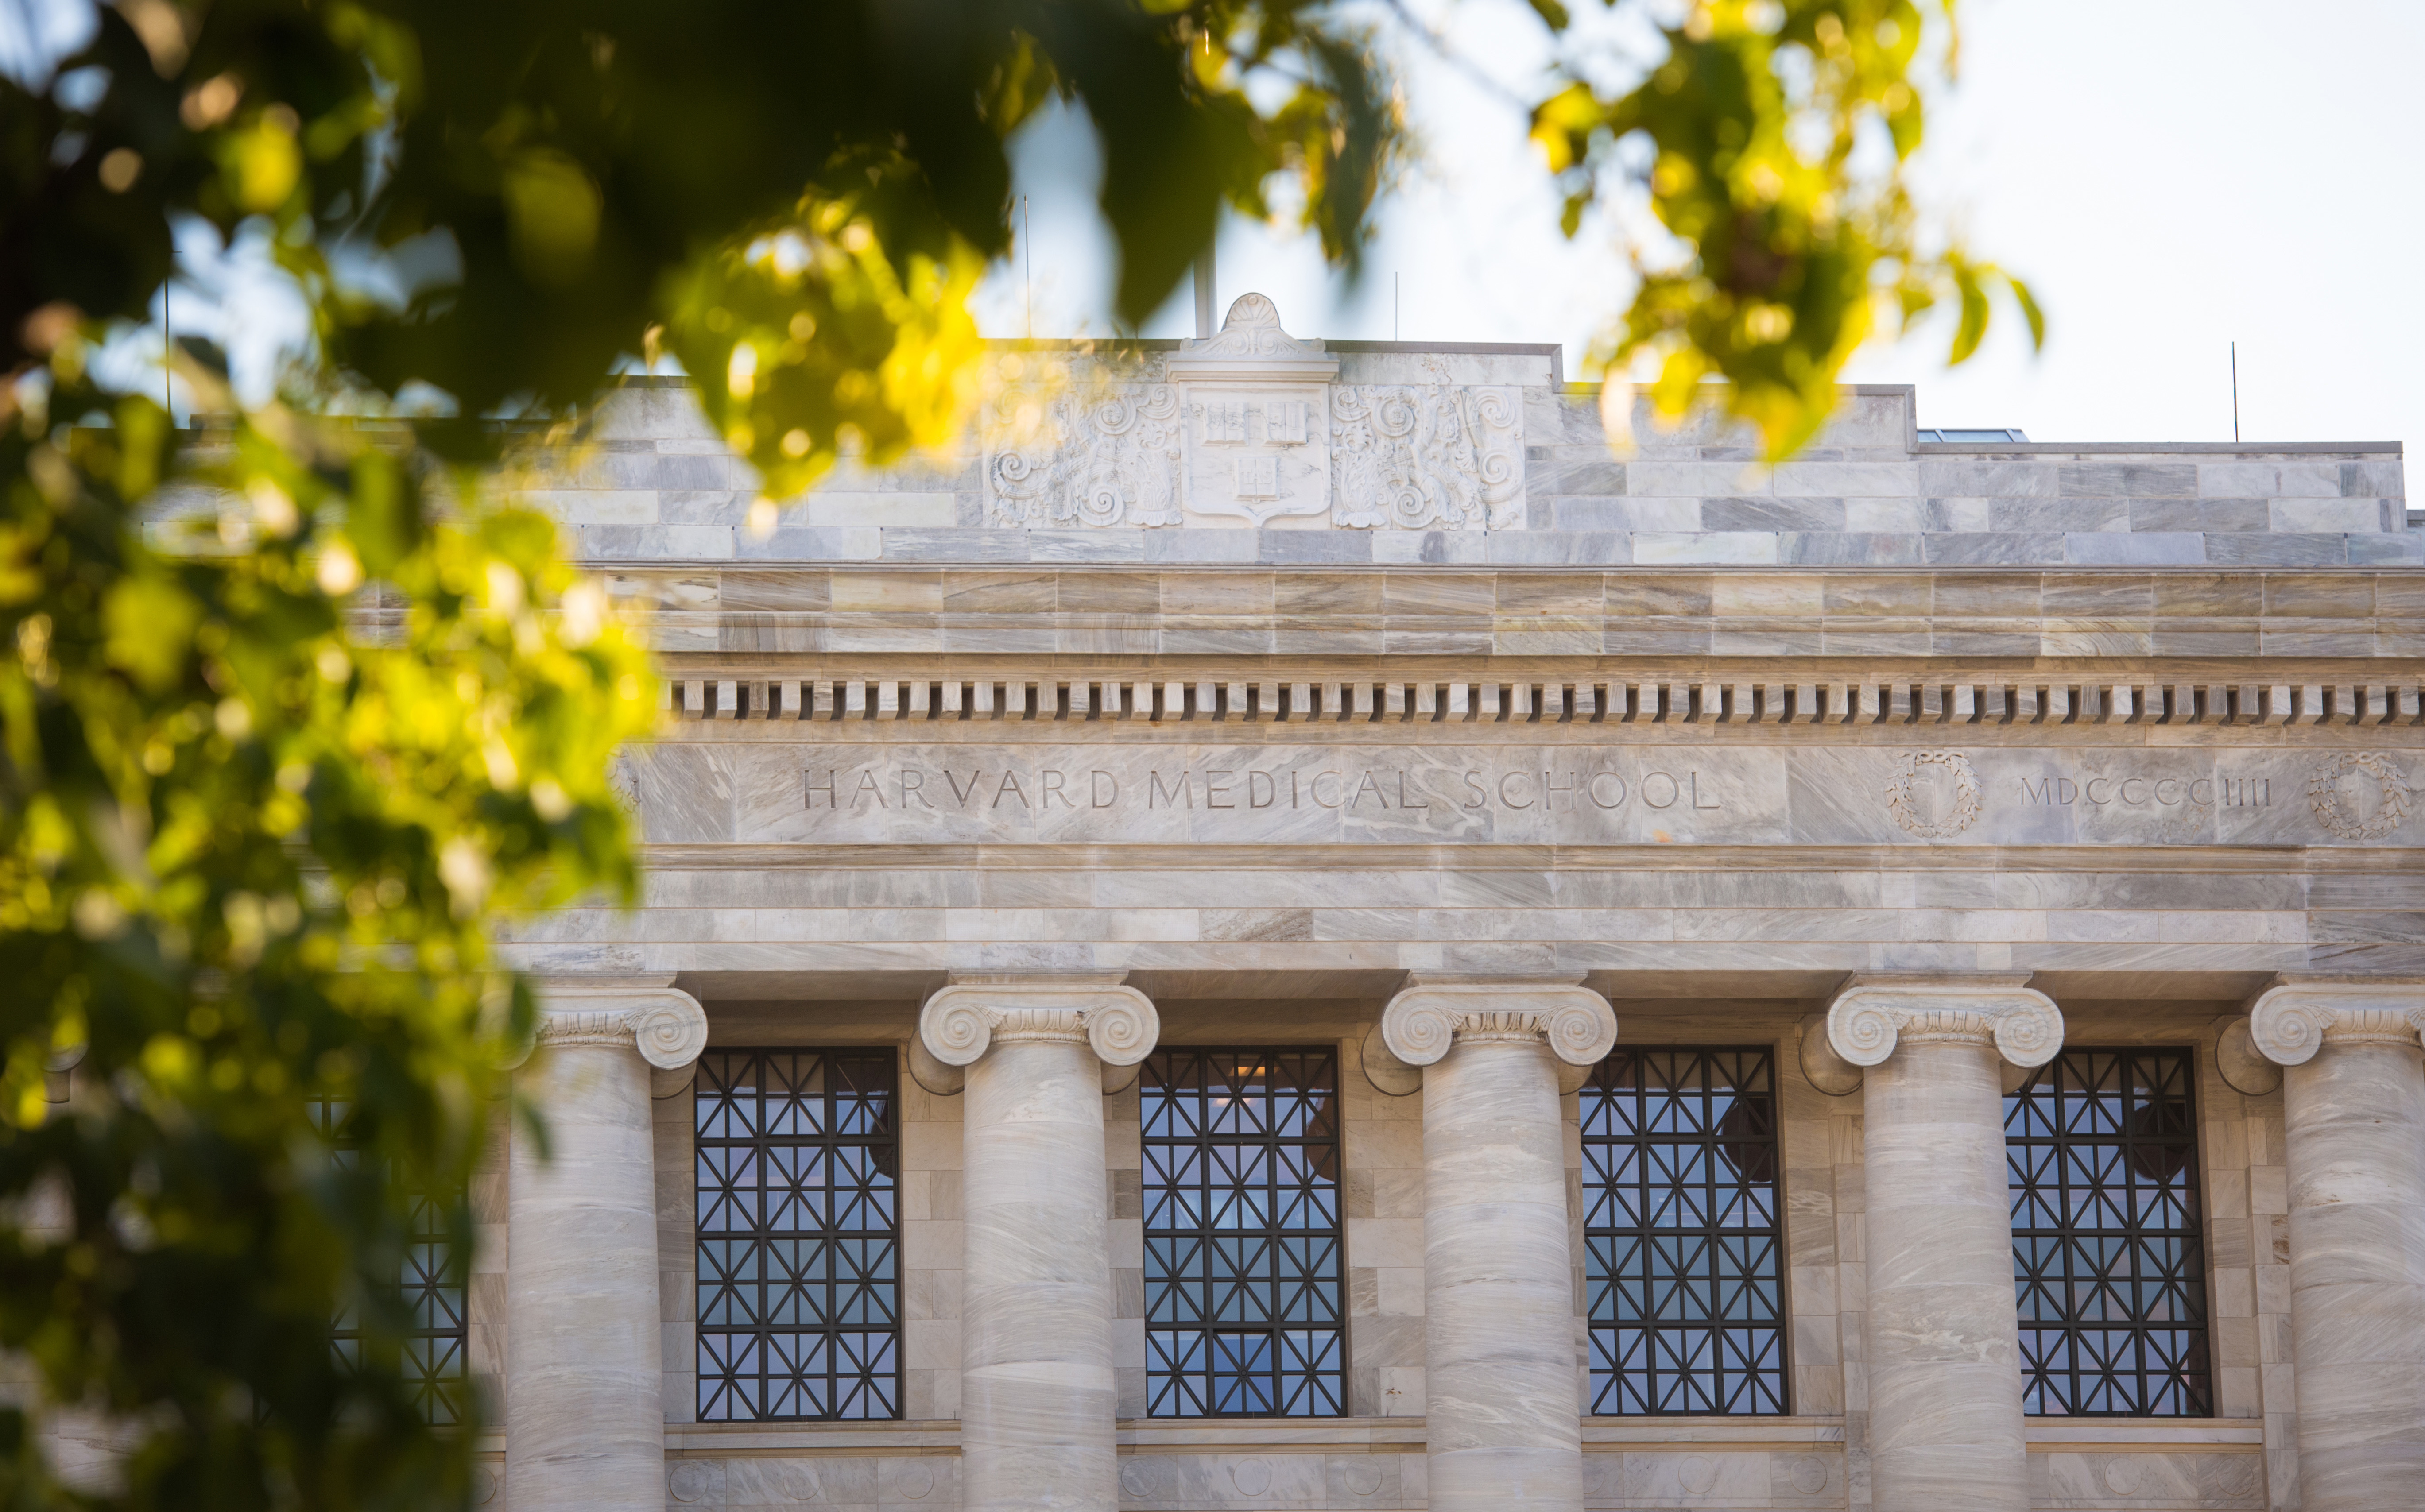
(2172, 177)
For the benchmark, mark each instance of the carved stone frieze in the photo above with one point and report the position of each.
(1427, 458)
(1064, 453)
(1248, 425)
(1873, 1015)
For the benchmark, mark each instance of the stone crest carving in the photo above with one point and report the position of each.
(1420, 1023)
(961, 1021)
(2291, 1021)
(1247, 426)
(1873, 1015)
(1935, 795)
(1255, 444)
(2359, 795)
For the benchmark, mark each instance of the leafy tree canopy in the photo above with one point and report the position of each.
(295, 707)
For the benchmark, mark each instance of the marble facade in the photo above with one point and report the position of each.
(1268, 691)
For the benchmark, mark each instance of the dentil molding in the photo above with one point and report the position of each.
(2289, 1021)
(1871, 1015)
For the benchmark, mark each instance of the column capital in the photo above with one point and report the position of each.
(644, 1013)
(962, 1020)
(2293, 1019)
(1430, 1014)
(1872, 1014)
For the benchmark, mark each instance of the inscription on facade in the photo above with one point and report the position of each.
(1496, 792)
(911, 788)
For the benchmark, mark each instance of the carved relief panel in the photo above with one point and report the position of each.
(1248, 428)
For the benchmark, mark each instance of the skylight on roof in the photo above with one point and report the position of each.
(1990, 436)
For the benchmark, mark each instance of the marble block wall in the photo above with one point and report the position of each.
(650, 481)
(931, 1253)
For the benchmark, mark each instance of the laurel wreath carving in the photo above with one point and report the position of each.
(1965, 795)
(2323, 795)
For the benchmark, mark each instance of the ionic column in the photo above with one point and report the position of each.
(1036, 1403)
(1503, 1426)
(585, 1370)
(2353, 1122)
(1946, 1430)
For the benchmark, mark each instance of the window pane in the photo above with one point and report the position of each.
(1682, 1243)
(1244, 1296)
(799, 1235)
(2109, 1270)
(429, 1284)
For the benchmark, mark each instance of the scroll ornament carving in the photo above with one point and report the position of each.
(1940, 820)
(1080, 455)
(667, 1027)
(960, 1024)
(2392, 796)
(2290, 1021)
(1427, 458)
(1867, 1021)
(1422, 1022)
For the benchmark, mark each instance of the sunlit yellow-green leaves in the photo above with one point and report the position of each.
(275, 758)
(1788, 242)
(811, 343)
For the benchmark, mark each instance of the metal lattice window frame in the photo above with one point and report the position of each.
(1683, 1235)
(797, 1154)
(2109, 1254)
(437, 1339)
(1244, 1243)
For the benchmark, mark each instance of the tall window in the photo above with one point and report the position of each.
(1243, 1295)
(2101, 1146)
(431, 1283)
(1682, 1248)
(799, 1238)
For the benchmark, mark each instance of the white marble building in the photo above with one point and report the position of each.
(1289, 931)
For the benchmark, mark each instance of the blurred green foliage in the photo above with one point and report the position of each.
(292, 706)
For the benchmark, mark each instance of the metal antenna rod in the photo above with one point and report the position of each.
(1397, 307)
(1027, 255)
(2235, 393)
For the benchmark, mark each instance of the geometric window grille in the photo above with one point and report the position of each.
(1243, 1273)
(431, 1288)
(1682, 1243)
(2107, 1267)
(799, 1235)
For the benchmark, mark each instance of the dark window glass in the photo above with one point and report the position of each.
(1682, 1266)
(1244, 1303)
(430, 1285)
(2101, 1146)
(800, 1236)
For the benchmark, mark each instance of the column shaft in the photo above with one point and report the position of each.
(1037, 1404)
(1504, 1397)
(2355, 1126)
(1946, 1428)
(585, 1415)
